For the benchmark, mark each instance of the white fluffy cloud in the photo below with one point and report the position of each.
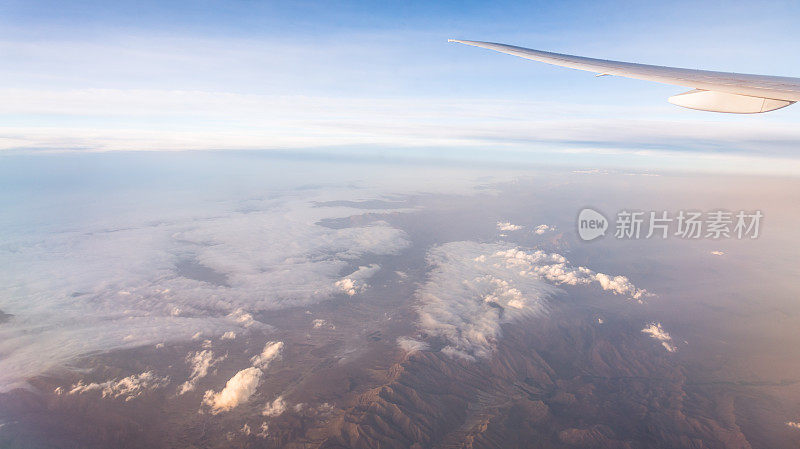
(555, 268)
(275, 408)
(244, 384)
(230, 335)
(130, 387)
(655, 330)
(474, 288)
(796, 425)
(507, 226)
(201, 362)
(272, 351)
(320, 323)
(354, 282)
(541, 229)
(237, 391)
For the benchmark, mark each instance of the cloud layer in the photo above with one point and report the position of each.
(312, 122)
(169, 274)
(473, 288)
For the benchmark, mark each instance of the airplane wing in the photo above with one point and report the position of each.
(712, 91)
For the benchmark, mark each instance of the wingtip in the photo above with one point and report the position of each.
(461, 41)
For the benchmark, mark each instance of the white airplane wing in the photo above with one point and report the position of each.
(712, 91)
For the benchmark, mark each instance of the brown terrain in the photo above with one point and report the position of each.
(552, 382)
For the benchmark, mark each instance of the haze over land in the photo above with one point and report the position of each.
(385, 305)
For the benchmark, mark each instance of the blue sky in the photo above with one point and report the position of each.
(381, 77)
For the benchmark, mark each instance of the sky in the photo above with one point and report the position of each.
(366, 79)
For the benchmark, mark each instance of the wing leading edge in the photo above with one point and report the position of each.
(712, 91)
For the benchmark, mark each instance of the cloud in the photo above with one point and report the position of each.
(555, 268)
(230, 335)
(353, 283)
(619, 285)
(201, 362)
(184, 81)
(591, 171)
(275, 121)
(243, 384)
(541, 229)
(410, 345)
(473, 288)
(465, 299)
(718, 253)
(272, 351)
(507, 226)
(793, 424)
(114, 283)
(349, 286)
(655, 330)
(275, 408)
(237, 391)
(319, 323)
(130, 387)
(242, 317)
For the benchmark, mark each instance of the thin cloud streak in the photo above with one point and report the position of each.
(114, 119)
